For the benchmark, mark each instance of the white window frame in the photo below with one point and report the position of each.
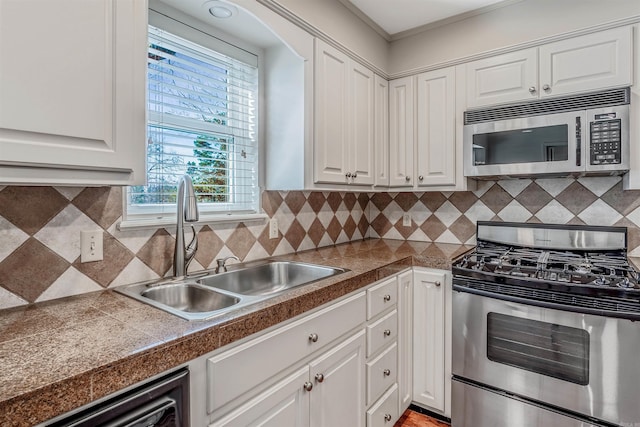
(159, 215)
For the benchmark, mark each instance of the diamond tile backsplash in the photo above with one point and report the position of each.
(40, 227)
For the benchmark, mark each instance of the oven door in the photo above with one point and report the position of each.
(540, 145)
(578, 362)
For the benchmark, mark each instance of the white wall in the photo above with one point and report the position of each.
(517, 23)
(335, 20)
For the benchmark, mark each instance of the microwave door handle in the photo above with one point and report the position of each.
(578, 141)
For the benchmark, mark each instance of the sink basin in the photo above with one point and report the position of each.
(269, 279)
(211, 294)
(189, 298)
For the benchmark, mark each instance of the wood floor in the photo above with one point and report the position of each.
(415, 419)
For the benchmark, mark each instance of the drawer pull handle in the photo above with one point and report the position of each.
(308, 386)
(386, 372)
(387, 297)
(387, 417)
(319, 378)
(313, 337)
(387, 332)
(437, 283)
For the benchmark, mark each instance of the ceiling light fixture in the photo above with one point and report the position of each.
(222, 11)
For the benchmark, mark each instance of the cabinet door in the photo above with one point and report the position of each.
(361, 143)
(337, 398)
(405, 340)
(429, 339)
(331, 109)
(436, 128)
(381, 131)
(401, 132)
(503, 78)
(284, 404)
(72, 88)
(590, 62)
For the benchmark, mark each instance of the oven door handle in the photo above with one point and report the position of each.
(545, 304)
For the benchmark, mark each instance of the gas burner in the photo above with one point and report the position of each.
(602, 281)
(602, 270)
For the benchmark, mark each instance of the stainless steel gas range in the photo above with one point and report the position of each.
(545, 328)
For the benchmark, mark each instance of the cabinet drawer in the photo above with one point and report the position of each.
(381, 373)
(382, 332)
(385, 412)
(381, 297)
(247, 367)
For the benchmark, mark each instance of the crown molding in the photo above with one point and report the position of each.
(533, 43)
(278, 8)
(365, 18)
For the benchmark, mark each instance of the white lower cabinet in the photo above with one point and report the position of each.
(383, 408)
(337, 380)
(432, 340)
(360, 361)
(284, 404)
(405, 340)
(307, 372)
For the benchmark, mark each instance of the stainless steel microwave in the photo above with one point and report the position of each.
(582, 135)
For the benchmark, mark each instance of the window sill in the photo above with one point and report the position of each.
(150, 223)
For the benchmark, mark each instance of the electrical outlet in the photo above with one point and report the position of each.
(273, 228)
(91, 246)
(406, 220)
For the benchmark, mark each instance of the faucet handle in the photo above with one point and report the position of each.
(221, 263)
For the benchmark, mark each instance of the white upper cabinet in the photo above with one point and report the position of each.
(436, 142)
(586, 63)
(381, 112)
(503, 78)
(580, 64)
(401, 132)
(72, 92)
(344, 119)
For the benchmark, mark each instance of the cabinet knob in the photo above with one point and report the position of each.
(319, 378)
(386, 372)
(546, 88)
(308, 386)
(387, 297)
(437, 283)
(407, 178)
(387, 417)
(348, 175)
(532, 89)
(355, 175)
(313, 337)
(387, 332)
(421, 178)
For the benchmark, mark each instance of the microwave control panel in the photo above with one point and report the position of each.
(606, 142)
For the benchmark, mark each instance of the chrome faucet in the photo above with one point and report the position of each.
(187, 212)
(221, 263)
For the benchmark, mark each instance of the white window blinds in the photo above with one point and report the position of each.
(202, 108)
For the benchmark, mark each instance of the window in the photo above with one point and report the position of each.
(202, 113)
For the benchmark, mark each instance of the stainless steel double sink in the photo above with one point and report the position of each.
(207, 295)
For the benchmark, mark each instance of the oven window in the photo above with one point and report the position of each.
(542, 144)
(545, 348)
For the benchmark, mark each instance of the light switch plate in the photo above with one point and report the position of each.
(273, 228)
(406, 220)
(91, 246)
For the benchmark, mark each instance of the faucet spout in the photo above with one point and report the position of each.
(187, 209)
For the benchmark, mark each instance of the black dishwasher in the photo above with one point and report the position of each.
(163, 402)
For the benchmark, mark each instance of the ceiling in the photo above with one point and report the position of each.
(397, 16)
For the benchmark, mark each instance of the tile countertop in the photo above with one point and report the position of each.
(62, 354)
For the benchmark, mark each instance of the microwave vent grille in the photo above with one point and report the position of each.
(606, 98)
